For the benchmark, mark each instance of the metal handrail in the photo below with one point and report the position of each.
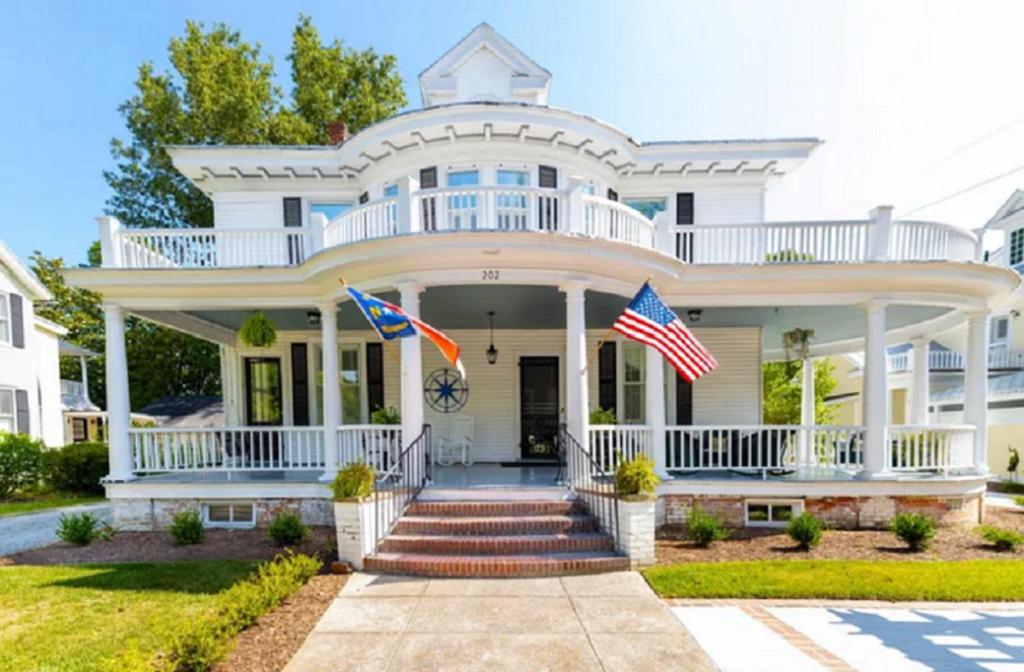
(397, 487)
(589, 482)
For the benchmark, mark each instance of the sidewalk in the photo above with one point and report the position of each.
(605, 622)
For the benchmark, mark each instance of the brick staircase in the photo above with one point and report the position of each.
(496, 538)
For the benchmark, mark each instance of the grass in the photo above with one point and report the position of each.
(972, 580)
(74, 618)
(50, 500)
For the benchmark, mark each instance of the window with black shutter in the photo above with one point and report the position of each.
(684, 217)
(606, 391)
(300, 385)
(374, 376)
(428, 178)
(613, 195)
(17, 321)
(547, 206)
(293, 219)
(547, 177)
(21, 407)
(428, 205)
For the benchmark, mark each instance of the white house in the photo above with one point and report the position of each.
(489, 201)
(30, 394)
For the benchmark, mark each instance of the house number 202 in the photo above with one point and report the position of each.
(491, 275)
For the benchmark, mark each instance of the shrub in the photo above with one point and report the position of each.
(286, 529)
(20, 463)
(355, 481)
(1014, 461)
(79, 529)
(206, 640)
(915, 529)
(1002, 538)
(806, 530)
(1012, 488)
(603, 416)
(187, 527)
(386, 415)
(636, 477)
(704, 528)
(77, 468)
(258, 331)
(787, 255)
(1018, 500)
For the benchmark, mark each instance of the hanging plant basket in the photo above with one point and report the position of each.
(258, 331)
(797, 343)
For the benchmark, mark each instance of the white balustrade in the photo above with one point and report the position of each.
(501, 208)
(609, 444)
(212, 248)
(376, 219)
(953, 360)
(899, 362)
(773, 243)
(609, 220)
(929, 447)
(157, 450)
(945, 360)
(72, 388)
(375, 445)
(930, 241)
(1006, 359)
(762, 447)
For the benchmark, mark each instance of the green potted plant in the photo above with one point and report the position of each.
(258, 331)
(636, 485)
(353, 512)
(797, 343)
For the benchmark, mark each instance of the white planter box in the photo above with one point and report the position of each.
(355, 527)
(636, 531)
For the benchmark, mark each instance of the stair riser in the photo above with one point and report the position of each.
(480, 568)
(508, 546)
(495, 527)
(481, 509)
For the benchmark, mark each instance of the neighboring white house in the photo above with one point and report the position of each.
(30, 401)
(490, 201)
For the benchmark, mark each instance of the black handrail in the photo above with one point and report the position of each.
(591, 483)
(395, 488)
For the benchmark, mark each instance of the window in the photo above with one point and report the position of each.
(390, 190)
(648, 207)
(329, 210)
(634, 364)
(263, 387)
(463, 178)
(229, 514)
(462, 206)
(428, 178)
(999, 333)
(79, 430)
(513, 178)
(8, 417)
(1016, 247)
(5, 318)
(772, 512)
(547, 177)
(349, 380)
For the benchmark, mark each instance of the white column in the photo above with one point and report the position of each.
(110, 245)
(875, 392)
(331, 387)
(577, 413)
(574, 205)
(806, 412)
(412, 369)
(85, 377)
(119, 414)
(976, 386)
(880, 233)
(408, 208)
(654, 410)
(919, 382)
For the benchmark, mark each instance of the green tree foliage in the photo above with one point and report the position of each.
(782, 383)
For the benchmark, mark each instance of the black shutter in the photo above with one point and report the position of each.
(375, 376)
(613, 195)
(292, 211)
(17, 322)
(547, 177)
(684, 401)
(684, 209)
(428, 178)
(300, 385)
(364, 197)
(21, 410)
(606, 389)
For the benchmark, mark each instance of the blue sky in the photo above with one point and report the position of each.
(916, 100)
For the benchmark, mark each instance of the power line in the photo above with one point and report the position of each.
(963, 191)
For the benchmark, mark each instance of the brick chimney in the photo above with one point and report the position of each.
(337, 132)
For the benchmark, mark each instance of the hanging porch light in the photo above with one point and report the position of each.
(492, 352)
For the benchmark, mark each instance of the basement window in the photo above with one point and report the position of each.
(772, 512)
(229, 514)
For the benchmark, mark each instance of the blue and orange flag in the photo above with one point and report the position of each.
(392, 322)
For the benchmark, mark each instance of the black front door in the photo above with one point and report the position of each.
(538, 407)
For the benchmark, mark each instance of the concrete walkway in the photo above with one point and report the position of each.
(604, 622)
(31, 530)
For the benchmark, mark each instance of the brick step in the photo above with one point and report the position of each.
(497, 545)
(547, 564)
(458, 509)
(494, 525)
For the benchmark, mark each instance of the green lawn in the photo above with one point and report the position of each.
(9, 507)
(72, 618)
(982, 580)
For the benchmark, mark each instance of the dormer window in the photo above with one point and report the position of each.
(1016, 247)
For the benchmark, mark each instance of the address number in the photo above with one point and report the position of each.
(491, 275)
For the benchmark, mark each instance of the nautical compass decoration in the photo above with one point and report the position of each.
(446, 391)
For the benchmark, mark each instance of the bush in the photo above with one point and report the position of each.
(603, 416)
(704, 528)
(79, 529)
(1012, 488)
(788, 255)
(386, 415)
(20, 463)
(916, 530)
(286, 529)
(806, 530)
(1018, 500)
(1002, 538)
(355, 481)
(636, 477)
(187, 528)
(206, 640)
(77, 468)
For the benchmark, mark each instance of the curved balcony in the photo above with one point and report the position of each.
(549, 211)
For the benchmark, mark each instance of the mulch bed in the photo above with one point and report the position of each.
(952, 543)
(160, 547)
(277, 635)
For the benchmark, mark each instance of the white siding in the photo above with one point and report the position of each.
(233, 210)
(728, 205)
(731, 394)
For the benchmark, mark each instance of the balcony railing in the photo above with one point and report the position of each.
(375, 445)
(511, 209)
(72, 388)
(953, 360)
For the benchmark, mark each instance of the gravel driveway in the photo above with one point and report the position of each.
(31, 530)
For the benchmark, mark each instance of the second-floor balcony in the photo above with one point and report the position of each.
(953, 360)
(554, 212)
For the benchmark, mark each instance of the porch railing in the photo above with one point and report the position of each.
(610, 443)
(498, 208)
(157, 450)
(396, 487)
(763, 448)
(72, 388)
(590, 481)
(212, 248)
(375, 445)
(953, 360)
(930, 447)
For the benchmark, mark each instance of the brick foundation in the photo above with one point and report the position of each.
(156, 514)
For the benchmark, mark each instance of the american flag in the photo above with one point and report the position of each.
(648, 320)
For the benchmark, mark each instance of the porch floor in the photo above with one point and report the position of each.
(492, 474)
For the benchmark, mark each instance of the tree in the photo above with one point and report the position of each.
(782, 392)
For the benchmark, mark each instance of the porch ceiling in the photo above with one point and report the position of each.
(533, 307)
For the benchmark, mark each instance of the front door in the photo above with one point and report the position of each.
(263, 391)
(538, 407)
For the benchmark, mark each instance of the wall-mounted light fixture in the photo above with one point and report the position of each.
(694, 314)
(313, 318)
(492, 352)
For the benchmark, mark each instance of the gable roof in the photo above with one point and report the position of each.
(21, 273)
(1010, 214)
